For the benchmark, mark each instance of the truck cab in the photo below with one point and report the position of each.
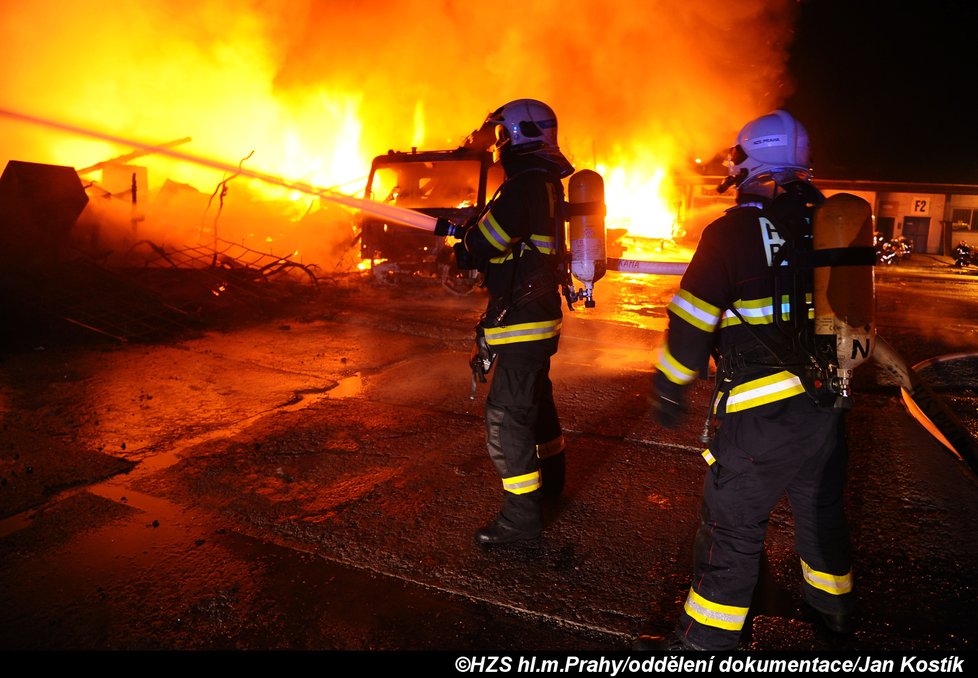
(454, 184)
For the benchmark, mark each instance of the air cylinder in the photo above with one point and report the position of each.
(586, 231)
(844, 286)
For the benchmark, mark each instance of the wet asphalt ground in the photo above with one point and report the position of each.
(312, 483)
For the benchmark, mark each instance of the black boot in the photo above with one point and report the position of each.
(552, 474)
(519, 520)
(501, 532)
(837, 622)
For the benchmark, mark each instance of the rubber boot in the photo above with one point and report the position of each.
(552, 474)
(519, 520)
(837, 622)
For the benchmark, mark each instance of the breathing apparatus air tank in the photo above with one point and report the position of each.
(586, 231)
(844, 289)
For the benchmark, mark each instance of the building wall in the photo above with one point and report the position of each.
(969, 234)
(930, 204)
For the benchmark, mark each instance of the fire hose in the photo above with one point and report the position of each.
(397, 215)
(924, 405)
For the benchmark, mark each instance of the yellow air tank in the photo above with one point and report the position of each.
(844, 287)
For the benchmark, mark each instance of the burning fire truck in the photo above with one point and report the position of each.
(454, 184)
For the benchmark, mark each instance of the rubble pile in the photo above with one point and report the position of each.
(57, 286)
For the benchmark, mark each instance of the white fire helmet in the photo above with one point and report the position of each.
(527, 126)
(773, 147)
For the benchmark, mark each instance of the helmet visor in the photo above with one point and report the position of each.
(735, 156)
(502, 140)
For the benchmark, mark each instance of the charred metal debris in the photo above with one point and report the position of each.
(55, 287)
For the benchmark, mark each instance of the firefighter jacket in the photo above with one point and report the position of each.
(515, 243)
(743, 301)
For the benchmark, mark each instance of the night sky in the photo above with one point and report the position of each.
(886, 89)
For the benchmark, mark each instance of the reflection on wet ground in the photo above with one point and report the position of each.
(955, 378)
(347, 388)
(316, 485)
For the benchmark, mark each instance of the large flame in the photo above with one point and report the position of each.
(313, 90)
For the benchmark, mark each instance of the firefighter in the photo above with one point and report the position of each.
(962, 255)
(516, 243)
(745, 299)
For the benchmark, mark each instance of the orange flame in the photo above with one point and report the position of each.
(312, 91)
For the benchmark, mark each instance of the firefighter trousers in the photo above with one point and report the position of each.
(788, 447)
(520, 411)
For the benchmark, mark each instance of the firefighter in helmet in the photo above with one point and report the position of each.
(516, 243)
(745, 299)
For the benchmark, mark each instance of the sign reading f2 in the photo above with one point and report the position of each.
(920, 205)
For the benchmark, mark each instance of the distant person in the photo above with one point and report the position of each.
(962, 254)
(515, 243)
(745, 298)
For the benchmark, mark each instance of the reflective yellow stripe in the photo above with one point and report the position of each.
(506, 257)
(708, 613)
(551, 447)
(522, 484)
(546, 244)
(512, 334)
(763, 391)
(710, 459)
(674, 370)
(834, 584)
(695, 311)
(761, 311)
(494, 233)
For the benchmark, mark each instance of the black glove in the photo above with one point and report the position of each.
(481, 357)
(463, 259)
(666, 401)
(444, 227)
